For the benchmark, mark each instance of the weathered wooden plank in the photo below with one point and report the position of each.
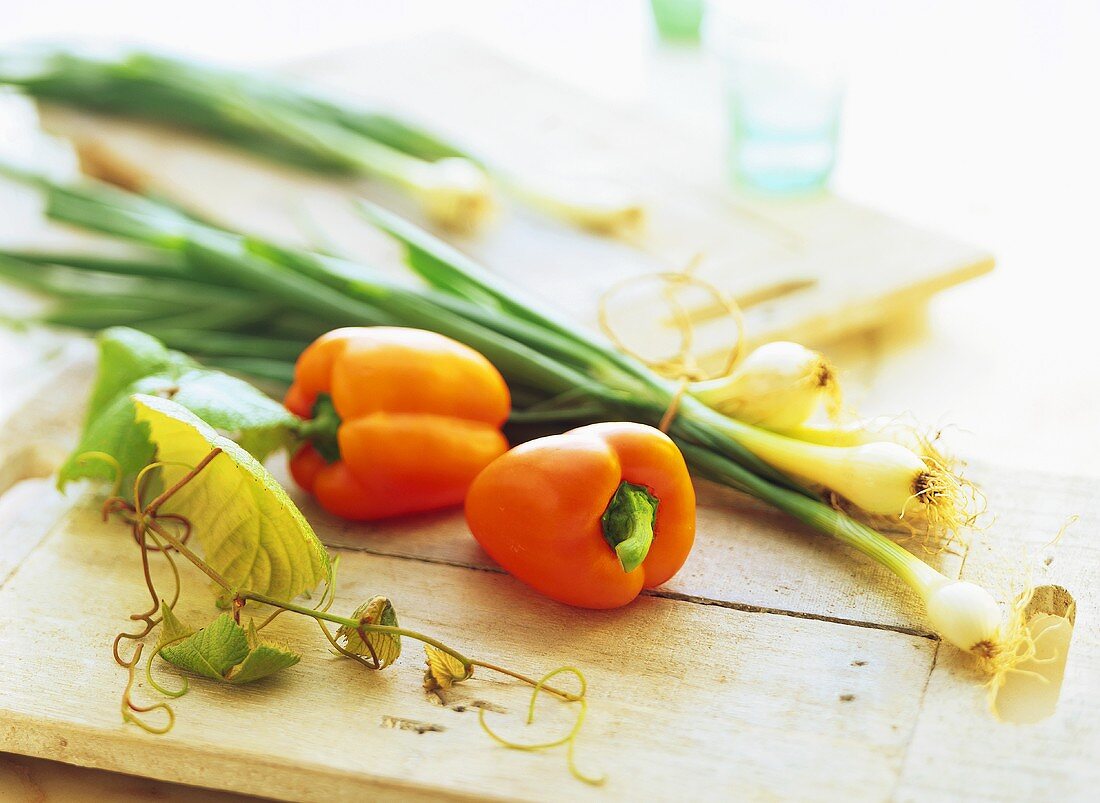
(866, 266)
(745, 556)
(958, 748)
(28, 511)
(685, 698)
(954, 725)
(23, 778)
(859, 268)
(42, 406)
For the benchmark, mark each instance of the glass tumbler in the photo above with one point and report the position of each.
(783, 99)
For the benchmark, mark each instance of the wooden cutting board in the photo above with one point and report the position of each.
(809, 269)
(776, 665)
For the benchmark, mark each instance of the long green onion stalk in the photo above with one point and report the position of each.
(288, 123)
(251, 305)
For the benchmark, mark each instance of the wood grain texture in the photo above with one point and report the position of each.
(46, 382)
(922, 731)
(957, 749)
(688, 695)
(684, 696)
(752, 606)
(34, 780)
(746, 556)
(863, 267)
(28, 511)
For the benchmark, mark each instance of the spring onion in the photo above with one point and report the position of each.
(779, 386)
(962, 613)
(881, 477)
(288, 123)
(602, 207)
(863, 430)
(557, 372)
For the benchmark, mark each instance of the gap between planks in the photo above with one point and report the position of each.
(912, 735)
(915, 724)
(64, 506)
(658, 593)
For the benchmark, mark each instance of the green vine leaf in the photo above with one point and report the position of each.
(443, 671)
(265, 658)
(383, 647)
(125, 356)
(133, 362)
(224, 651)
(250, 531)
(112, 432)
(172, 630)
(211, 652)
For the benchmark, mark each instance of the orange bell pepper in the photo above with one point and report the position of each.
(402, 420)
(588, 518)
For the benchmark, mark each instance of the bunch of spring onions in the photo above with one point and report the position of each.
(250, 305)
(290, 124)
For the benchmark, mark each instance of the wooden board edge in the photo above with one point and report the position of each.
(23, 736)
(832, 327)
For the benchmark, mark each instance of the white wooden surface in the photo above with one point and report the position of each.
(754, 688)
(992, 143)
(680, 690)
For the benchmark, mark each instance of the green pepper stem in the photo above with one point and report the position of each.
(321, 430)
(628, 523)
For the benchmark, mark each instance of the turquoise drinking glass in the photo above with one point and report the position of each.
(678, 20)
(784, 96)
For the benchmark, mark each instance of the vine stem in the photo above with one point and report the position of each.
(468, 663)
(356, 624)
(130, 709)
(147, 518)
(565, 695)
(151, 509)
(186, 551)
